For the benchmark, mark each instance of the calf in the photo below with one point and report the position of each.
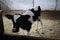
(24, 20)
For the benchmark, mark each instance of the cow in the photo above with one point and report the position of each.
(25, 20)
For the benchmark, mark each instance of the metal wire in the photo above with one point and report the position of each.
(33, 3)
(56, 4)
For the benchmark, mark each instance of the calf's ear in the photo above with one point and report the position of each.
(9, 16)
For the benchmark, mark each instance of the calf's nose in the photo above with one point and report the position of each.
(15, 30)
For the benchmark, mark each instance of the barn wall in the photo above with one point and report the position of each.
(26, 4)
(18, 4)
(46, 4)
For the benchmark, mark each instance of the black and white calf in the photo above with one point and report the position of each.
(24, 20)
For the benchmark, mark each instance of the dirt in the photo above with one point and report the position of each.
(50, 28)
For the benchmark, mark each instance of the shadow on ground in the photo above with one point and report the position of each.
(21, 37)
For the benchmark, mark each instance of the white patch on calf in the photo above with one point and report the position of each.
(36, 8)
(16, 17)
(30, 14)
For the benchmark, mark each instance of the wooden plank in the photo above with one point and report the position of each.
(1, 24)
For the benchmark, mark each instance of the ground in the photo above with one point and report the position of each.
(50, 28)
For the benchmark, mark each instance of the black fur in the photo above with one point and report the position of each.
(23, 23)
(9, 16)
